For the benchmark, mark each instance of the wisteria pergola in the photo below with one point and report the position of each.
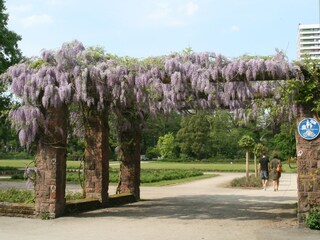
(74, 88)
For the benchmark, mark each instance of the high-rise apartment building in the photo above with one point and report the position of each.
(309, 41)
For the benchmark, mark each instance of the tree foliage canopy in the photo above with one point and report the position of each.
(193, 136)
(247, 142)
(9, 55)
(9, 51)
(306, 93)
(166, 145)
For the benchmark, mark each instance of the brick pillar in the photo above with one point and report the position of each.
(97, 156)
(130, 164)
(308, 160)
(51, 164)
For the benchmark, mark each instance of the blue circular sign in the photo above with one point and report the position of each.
(309, 128)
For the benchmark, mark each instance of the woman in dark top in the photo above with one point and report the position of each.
(275, 174)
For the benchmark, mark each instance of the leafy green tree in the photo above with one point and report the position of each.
(166, 145)
(247, 143)
(194, 136)
(156, 127)
(8, 137)
(306, 93)
(284, 142)
(9, 55)
(9, 51)
(224, 135)
(152, 153)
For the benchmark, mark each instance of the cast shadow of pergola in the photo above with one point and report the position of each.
(205, 207)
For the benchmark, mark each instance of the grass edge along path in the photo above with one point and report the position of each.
(206, 167)
(179, 181)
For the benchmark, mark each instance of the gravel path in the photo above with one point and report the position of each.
(204, 209)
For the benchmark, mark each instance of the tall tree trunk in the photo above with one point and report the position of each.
(247, 165)
(255, 166)
(96, 182)
(51, 164)
(130, 164)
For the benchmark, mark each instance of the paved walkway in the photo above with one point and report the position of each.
(204, 209)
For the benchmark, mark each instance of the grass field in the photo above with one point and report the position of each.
(206, 167)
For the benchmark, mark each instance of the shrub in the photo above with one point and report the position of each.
(152, 153)
(16, 155)
(73, 195)
(244, 182)
(158, 175)
(18, 177)
(113, 175)
(13, 195)
(313, 218)
(74, 177)
(9, 169)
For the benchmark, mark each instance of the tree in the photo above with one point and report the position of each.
(224, 135)
(247, 143)
(305, 94)
(166, 145)
(159, 126)
(284, 142)
(9, 55)
(194, 136)
(258, 149)
(9, 51)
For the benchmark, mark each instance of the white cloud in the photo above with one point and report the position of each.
(166, 13)
(191, 8)
(235, 28)
(36, 20)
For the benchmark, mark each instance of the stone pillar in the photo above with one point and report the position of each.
(130, 164)
(96, 160)
(308, 161)
(51, 165)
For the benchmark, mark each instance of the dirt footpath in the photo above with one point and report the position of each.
(203, 209)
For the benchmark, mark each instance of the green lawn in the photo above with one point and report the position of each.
(14, 163)
(209, 167)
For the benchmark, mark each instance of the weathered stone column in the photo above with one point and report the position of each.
(308, 161)
(97, 156)
(51, 164)
(130, 164)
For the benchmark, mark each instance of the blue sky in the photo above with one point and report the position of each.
(141, 28)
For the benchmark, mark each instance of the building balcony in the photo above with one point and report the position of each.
(309, 37)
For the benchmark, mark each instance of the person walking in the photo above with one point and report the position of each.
(264, 170)
(276, 169)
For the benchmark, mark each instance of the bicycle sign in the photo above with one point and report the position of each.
(309, 128)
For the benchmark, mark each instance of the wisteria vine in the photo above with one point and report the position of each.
(74, 74)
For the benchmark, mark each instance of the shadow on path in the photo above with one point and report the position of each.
(203, 207)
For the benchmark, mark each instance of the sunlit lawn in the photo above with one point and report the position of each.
(210, 167)
(15, 163)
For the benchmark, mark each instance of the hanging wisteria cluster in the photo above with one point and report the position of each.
(76, 75)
